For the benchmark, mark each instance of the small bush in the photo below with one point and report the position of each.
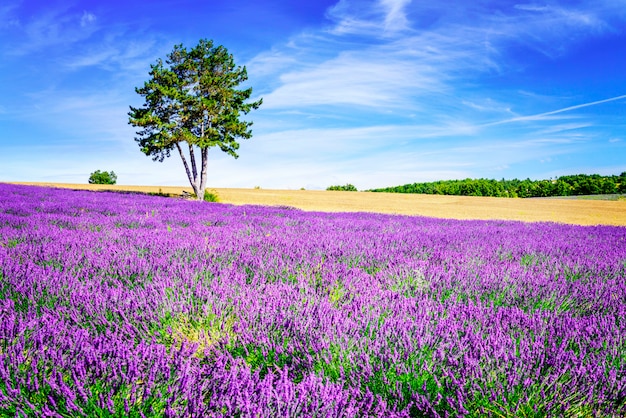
(210, 196)
(346, 188)
(102, 177)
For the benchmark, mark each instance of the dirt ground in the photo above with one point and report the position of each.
(572, 211)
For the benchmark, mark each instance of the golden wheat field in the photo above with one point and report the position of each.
(581, 212)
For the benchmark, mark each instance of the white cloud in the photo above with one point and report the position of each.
(270, 62)
(550, 115)
(58, 28)
(380, 18)
(425, 74)
(362, 78)
(531, 7)
(395, 18)
(562, 127)
(119, 53)
(7, 18)
(400, 71)
(87, 19)
(388, 92)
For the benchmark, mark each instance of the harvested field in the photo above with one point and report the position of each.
(580, 212)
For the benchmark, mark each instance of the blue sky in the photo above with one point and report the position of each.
(373, 93)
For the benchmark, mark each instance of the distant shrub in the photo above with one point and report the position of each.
(346, 188)
(102, 177)
(210, 196)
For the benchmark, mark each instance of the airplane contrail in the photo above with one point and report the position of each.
(553, 112)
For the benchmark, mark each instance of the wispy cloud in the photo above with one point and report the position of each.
(395, 16)
(423, 61)
(53, 28)
(382, 92)
(87, 19)
(120, 53)
(7, 17)
(356, 78)
(347, 21)
(546, 115)
(381, 18)
(424, 80)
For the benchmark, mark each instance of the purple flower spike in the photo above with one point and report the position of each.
(163, 307)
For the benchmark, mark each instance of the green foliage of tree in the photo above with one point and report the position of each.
(621, 183)
(572, 185)
(193, 99)
(345, 188)
(102, 177)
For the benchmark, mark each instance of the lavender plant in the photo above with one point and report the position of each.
(130, 305)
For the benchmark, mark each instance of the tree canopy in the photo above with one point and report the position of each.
(193, 99)
(102, 177)
(345, 188)
(572, 185)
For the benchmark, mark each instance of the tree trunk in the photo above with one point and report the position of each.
(192, 178)
(194, 171)
(203, 174)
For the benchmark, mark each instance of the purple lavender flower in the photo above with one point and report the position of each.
(144, 306)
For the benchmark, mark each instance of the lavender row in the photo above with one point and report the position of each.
(134, 305)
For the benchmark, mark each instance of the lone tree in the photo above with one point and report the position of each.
(193, 99)
(102, 177)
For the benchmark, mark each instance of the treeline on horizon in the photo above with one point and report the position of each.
(572, 185)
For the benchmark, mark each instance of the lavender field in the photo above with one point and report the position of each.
(139, 306)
